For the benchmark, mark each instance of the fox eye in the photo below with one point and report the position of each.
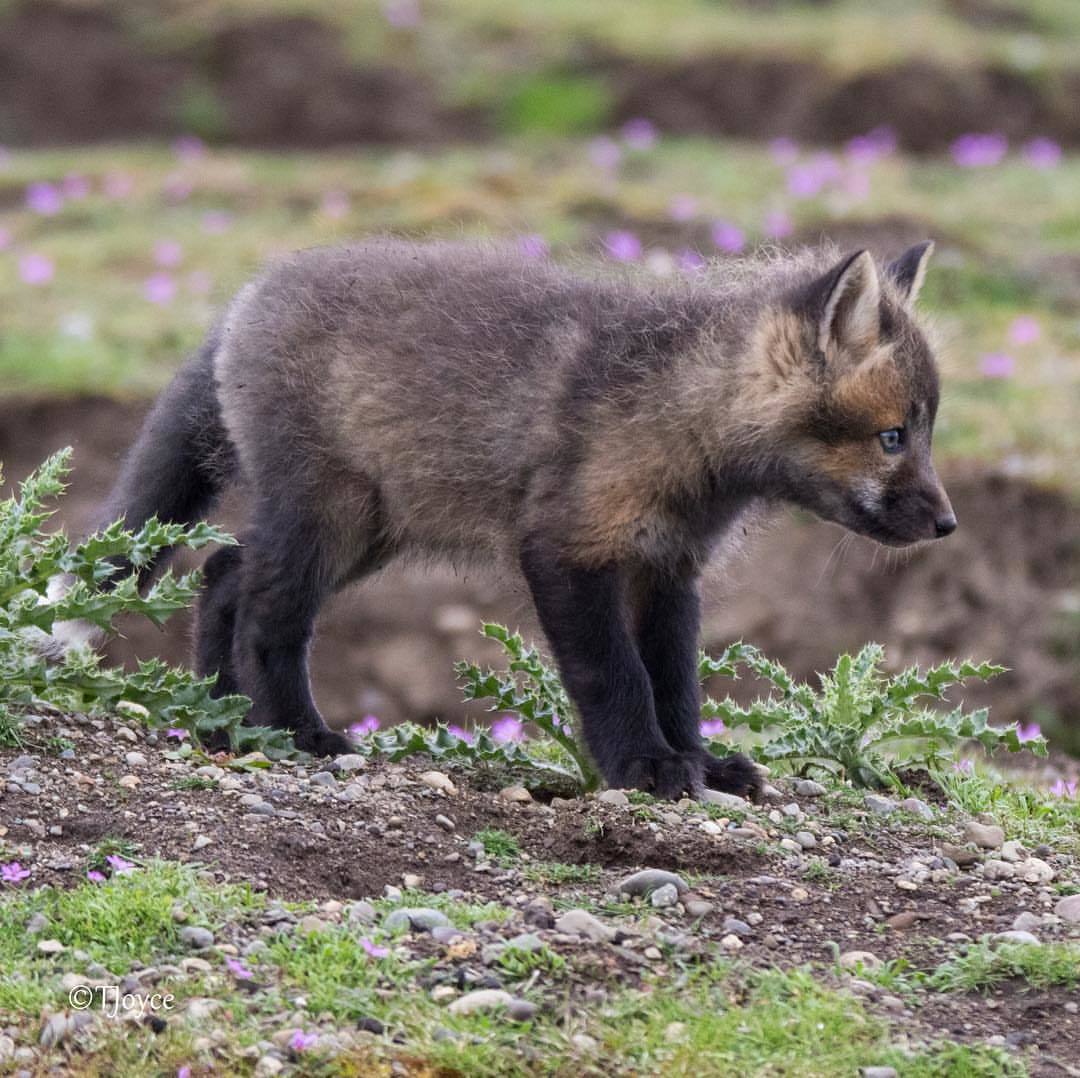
(892, 441)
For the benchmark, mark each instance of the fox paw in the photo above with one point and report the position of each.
(323, 742)
(735, 774)
(669, 776)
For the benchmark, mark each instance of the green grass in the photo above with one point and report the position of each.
(558, 873)
(984, 965)
(499, 845)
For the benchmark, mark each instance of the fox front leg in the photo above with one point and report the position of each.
(584, 616)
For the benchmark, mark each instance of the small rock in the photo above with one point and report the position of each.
(998, 870)
(917, 808)
(196, 937)
(664, 896)
(517, 795)
(878, 1072)
(201, 842)
(809, 788)
(985, 836)
(485, 999)
(790, 845)
(1026, 922)
(697, 907)
(1034, 870)
(360, 913)
(521, 1010)
(731, 942)
(311, 924)
(350, 761)
(1013, 850)
(445, 822)
(614, 797)
(728, 801)
(50, 947)
(1068, 909)
(854, 959)
(906, 885)
(905, 919)
(417, 919)
(411, 881)
(733, 926)
(129, 782)
(878, 805)
(437, 780)
(582, 923)
(268, 1066)
(323, 778)
(1017, 936)
(805, 839)
(134, 759)
(649, 879)
(962, 855)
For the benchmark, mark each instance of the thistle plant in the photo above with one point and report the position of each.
(30, 558)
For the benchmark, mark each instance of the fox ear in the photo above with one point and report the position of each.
(846, 304)
(909, 270)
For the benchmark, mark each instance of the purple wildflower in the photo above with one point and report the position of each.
(367, 725)
(402, 14)
(159, 288)
(964, 767)
(94, 876)
(604, 153)
(533, 246)
(871, 147)
(712, 727)
(1061, 788)
(177, 733)
(462, 734)
(373, 949)
(997, 365)
(301, 1041)
(36, 269)
(728, 237)
(507, 729)
(690, 261)
(1024, 330)
(189, 147)
(639, 134)
(119, 866)
(1042, 153)
(1028, 732)
(623, 246)
(13, 872)
(238, 969)
(44, 198)
(976, 150)
(184, 1072)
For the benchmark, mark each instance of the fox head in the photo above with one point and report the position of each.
(857, 386)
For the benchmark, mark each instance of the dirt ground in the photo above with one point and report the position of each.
(1001, 589)
(77, 73)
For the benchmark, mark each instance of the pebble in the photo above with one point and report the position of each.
(360, 913)
(134, 759)
(986, 836)
(413, 919)
(350, 761)
(1068, 909)
(323, 778)
(1013, 850)
(268, 1066)
(728, 801)
(582, 923)
(1016, 935)
(733, 926)
(731, 942)
(880, 806)
(196, 937)
(664, 896)
(484, 999)
(1034, 870)
(878, 1072)
(697, 907)
(614, 797)
(905, 919)
(516, 795)
(961, 855)
(790, 845)
(907, 885)
(438, 780)
(998, 870)
(1026, 921)
(50, 947)
(649, 879)
(201, 842)
(917, 807)
(805, 839)
(853, 959)
(809, 788)
(445, 822)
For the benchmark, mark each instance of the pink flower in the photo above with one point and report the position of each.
(168, 253)
(402, 14)
(875, 144)
(728, 237)
(301, 1041)
(184, 1072)
(689, 260)
(712, 727)
(778, 224)
(373, 949)
(507, 729)
(997, 365)
(189, 147)
(639, 134)
(979, 150)
(1024, 330)
(159, 288)
(1042, 153)
(13, 872)
(1061, 788)
(215, 222)
(178, 734)
(35, 269)
(964, 767)
(462, 734)
(367, 725)
(1028, 732)
(94, 876)
(683, 208)
(238, 969)
(604, 153)
(119, 866)
(118, 185)
(75, 186)
(533, 246)
(784, 151)
(44, 198)
(623, 246)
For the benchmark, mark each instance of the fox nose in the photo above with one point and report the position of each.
(945, 525)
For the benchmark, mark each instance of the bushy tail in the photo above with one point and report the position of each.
(175, 470)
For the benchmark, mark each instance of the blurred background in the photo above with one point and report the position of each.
(155, 152)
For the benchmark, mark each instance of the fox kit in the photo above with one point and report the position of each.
(600, 436)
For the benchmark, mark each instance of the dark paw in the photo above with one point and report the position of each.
(323, 742)
(669, 776)
(733, 774)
